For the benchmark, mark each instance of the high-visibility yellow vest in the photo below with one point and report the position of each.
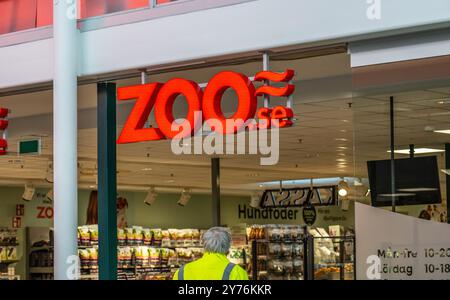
(212, 266)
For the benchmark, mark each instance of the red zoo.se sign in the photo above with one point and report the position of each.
(161, 97)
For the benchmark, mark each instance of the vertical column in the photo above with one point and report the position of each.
(447, 179)
(215, 190)
(392, 129)
(107, 180)
(65, 140)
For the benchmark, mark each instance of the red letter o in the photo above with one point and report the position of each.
(212, 99)
(164, 106)
(49, 212)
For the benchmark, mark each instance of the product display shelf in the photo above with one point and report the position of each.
(278, 252)
(9, 244)
(9, 277)
(41, 248)
(41, 270)
(8, 262)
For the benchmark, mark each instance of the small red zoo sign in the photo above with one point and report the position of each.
(45, 212)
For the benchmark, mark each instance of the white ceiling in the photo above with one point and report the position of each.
(330, 137)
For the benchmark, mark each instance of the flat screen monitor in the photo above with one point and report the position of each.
(416, 181)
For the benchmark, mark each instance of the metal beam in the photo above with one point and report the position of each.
(215, 190)
(392, 129)
(107, 181)
(65, 142)
(447, 178)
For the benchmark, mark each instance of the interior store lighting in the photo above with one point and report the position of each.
(151, 196)
(28, 192)
(184, 198)
(343, 189)
(49, 195)
(446, 171)
(446, 131)
(417, 151)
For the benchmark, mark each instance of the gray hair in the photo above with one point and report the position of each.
(217, 240)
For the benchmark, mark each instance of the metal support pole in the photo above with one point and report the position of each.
(152, 3)
(215, 185)
(65, 142)
(266, 62)
(411, 150)
(392, 129)
(107, 181)
(447, 178)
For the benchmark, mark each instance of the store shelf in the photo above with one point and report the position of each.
(7, 262)
(42, 248)
(41, 270)
(8, 245)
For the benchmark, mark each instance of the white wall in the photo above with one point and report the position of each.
(251, 26)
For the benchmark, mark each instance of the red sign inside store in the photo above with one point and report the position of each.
(161, 98)
(4, 123)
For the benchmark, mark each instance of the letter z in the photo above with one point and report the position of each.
(133, 130)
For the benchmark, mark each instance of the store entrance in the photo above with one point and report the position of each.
(164, 199)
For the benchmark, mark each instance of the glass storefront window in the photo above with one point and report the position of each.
(17, 15)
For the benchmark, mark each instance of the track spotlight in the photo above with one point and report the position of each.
(343, 189)
(151, 196)
(184, 198)
(49, 195)
(28, 192)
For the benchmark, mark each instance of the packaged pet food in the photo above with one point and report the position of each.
(154, 255)
(147, 236)
(129, 232)
(274, 249)
(93, 234)
(84, 235)
(121, 237)
(127, 256)
(11, 253)
(195, 237)
(165, 256)
(84, 258)
(286, 250)
(172, 258)
(274, 233)
(139, 253)
(93, 256)
(156, 237)
(138, 235)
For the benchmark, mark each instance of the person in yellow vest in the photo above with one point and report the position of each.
(214, 265)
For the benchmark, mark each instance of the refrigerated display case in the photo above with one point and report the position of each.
(332, 258)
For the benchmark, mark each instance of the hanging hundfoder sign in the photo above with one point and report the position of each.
(206, 103)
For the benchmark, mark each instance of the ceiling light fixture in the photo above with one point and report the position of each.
(28, 192)
(446, 171)
(151, 196)
(445, 101)
(49, 195)
(417, 151)
(147, 169)
(184, 198)
(446, 131)
(341, 139)
(343, 189)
